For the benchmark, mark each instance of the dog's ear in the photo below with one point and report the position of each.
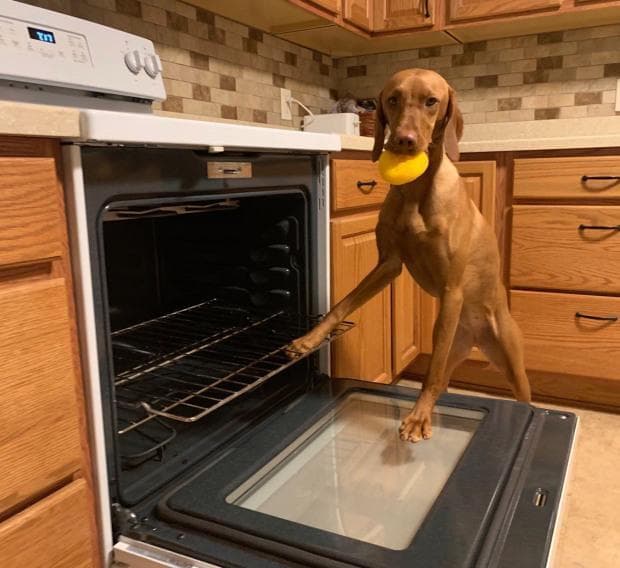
(453, 128)
(380, 124)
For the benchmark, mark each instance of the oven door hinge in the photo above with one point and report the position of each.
(123, 519)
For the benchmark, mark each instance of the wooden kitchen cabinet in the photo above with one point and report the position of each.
(562, 280)
(359, 13)
(458, 10)
(343, 28)
(356, 183)
(40, 443)
(572, 248)
(54, 532)
(387, 333)
(479, 179)
(565, 273)
(392, 15)
(44, 441)
(406, 321)
(377, 350)
(364, 351)
(560, 341)
(330, 5)
(578, 178)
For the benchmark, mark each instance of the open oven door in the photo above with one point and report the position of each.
(326, 481)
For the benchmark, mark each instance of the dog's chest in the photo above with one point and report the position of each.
(422, 227)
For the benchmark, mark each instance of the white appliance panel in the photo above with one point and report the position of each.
(42, 47)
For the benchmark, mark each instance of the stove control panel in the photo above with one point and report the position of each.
(47, 48)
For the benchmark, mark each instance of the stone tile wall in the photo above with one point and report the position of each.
(566, 74)
(213, 66)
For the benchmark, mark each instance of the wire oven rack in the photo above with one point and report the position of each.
(186, 364)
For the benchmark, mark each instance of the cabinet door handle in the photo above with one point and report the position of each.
(586, 178)
(427, 9)
(600, 227)
(361, 185)
(598, 318)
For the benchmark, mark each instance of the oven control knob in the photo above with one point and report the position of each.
(152, 65)
(134, 61)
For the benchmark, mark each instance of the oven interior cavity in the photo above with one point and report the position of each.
(204, 298)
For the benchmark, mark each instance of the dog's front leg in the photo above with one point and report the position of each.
(417, 424)
(379, 277)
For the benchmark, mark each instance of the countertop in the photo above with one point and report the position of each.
(588, 535)
(594, 132)
(23, 119)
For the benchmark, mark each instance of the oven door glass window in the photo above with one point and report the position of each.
(351, 475)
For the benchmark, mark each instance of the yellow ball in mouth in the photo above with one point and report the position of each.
(399, 169)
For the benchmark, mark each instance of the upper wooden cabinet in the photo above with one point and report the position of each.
(331, 5)
(477, 9)
(343, 28)
(403, 14)
(358, 13)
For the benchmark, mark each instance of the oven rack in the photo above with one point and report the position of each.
(186, 364)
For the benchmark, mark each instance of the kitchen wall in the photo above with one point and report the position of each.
(213, 66)
(545, 76)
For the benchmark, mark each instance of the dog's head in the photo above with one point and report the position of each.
(420, 109)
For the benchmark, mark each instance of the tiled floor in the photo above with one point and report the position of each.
(589, 534)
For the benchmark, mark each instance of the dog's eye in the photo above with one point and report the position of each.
(431, 101)
(392, 100)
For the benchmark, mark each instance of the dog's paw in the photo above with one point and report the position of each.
(302, 345)
(416, 426)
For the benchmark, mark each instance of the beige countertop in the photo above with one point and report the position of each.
(23, 119)
(595, 132)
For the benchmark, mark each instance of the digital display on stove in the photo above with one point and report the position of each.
(41, 35)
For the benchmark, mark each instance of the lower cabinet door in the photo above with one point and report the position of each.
(572, 334)
(406, 333)
(39, 424)
(56, 532)
(364, 352)
(479, 182)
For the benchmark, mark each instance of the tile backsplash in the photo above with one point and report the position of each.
(567, 74)
(215, 67)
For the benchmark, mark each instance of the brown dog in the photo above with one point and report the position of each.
(432, 227)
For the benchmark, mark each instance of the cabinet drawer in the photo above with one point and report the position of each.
(550, 251)
(31, 219)
(39, 435)
(556, 340)
(563, 178)
(55, 532)
(356, 183)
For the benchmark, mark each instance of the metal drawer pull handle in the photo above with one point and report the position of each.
(427, 9)
(598, 318)
(362, 184)
(600, 227)
(586, 178)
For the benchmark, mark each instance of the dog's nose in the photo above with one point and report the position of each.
(406, 141)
